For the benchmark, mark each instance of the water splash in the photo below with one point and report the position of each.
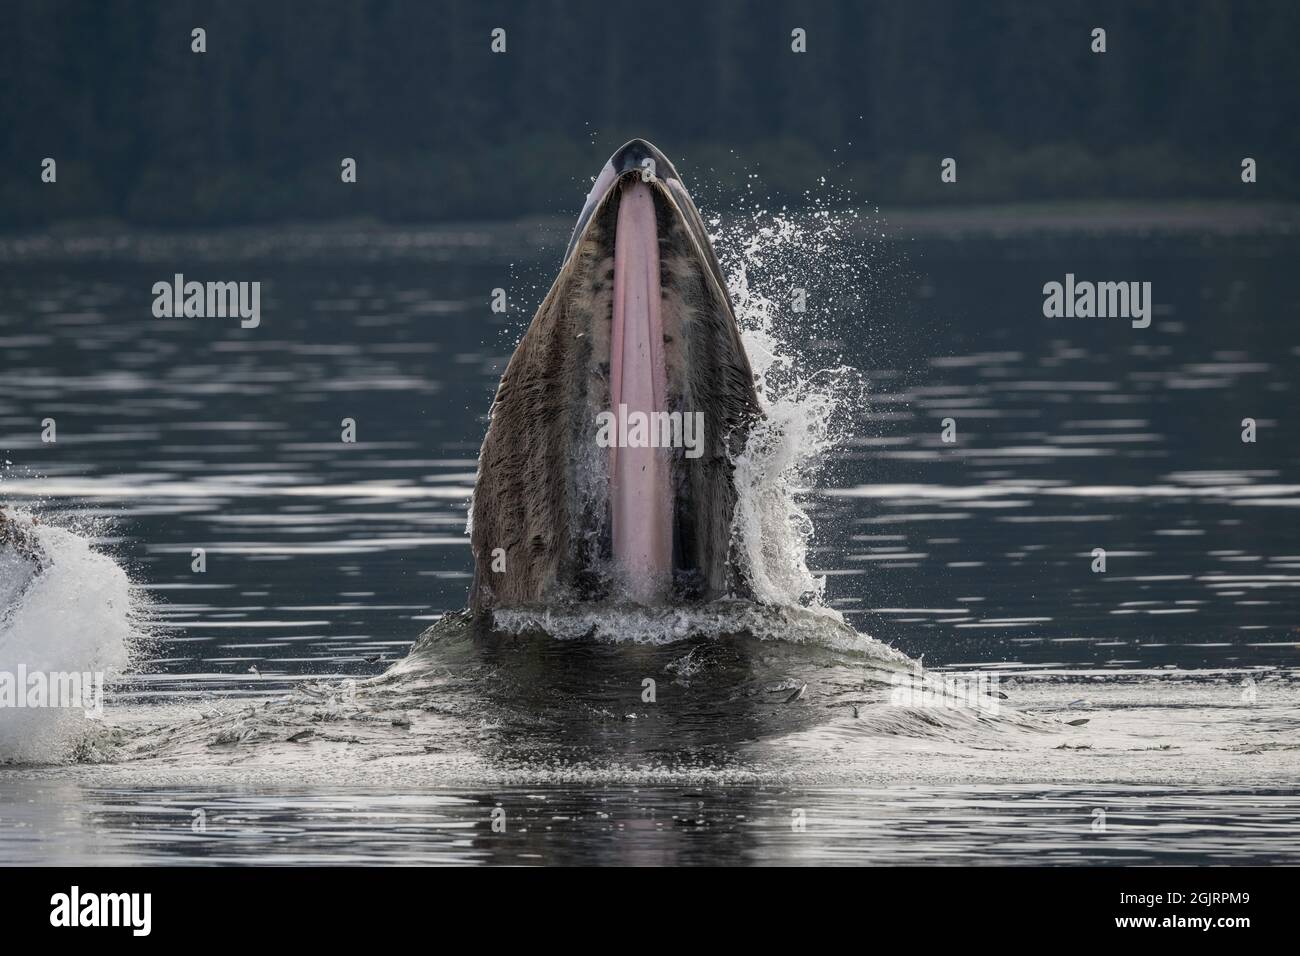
(663, 625)
(78, 615)
(771, 260)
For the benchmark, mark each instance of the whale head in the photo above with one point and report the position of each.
(606, 473)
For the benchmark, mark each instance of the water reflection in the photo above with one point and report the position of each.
(72, 824)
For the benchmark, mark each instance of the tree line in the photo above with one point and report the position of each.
(146, 130)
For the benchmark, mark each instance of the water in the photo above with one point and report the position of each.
(637, 826)
(325, 561)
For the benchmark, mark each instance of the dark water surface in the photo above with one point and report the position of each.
(326, 559)
(1073, 434)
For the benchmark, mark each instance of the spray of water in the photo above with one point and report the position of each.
(773, 262)
(78, 615)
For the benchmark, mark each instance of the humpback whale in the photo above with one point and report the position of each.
(637, 330)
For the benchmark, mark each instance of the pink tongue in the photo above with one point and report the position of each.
(639, 496)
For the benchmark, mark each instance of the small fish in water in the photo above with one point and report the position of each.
(797, 694)
(373, 660)
(1077, 723)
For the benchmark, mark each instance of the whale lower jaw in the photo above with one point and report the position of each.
(637, 325)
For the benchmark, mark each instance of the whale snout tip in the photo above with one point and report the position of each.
(633, 155)
(638, 156)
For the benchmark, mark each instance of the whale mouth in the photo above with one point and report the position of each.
(607, 470)
(640, 499)
(646, 209)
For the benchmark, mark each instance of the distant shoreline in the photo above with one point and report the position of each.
(375, 240)
(1109, 217)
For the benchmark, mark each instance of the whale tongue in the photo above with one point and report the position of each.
(640, 498)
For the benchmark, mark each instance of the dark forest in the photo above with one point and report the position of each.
(254, 129)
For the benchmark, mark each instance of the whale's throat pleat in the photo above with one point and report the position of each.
(640, 494)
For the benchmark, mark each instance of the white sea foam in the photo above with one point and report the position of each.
(78, 615)
(638, 624)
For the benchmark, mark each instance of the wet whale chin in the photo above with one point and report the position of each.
(606, 472)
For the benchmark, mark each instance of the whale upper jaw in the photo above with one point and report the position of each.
(638, 318)
(631, 157)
